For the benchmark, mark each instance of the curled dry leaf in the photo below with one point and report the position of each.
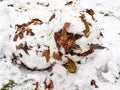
(90, 51)
(96, 46)
(87, 26)
(35, 21)
(90, 12)
(64, 29)
(71, 66)
(69, 3)
(52, 17)
(50, 86)
(57, 56)
(24, 47)
(46, 54)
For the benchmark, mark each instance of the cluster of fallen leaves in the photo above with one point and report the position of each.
(65, 39)
(24, 47)
(24, 28)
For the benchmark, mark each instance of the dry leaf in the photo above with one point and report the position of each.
(65, 39)
(87, 25)
(69, 3)
(96, 46)
(57, 56)
(46, 54)
(90, 51)
(52, 17)
(71, 66)
(64, 29)
(24, 28)
(21, 29)
(35, 21)
(90, 12)
(50, 86)
(24, 47)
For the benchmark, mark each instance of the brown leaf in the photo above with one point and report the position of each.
(57, 56)
(15, 38)
(24, 47)
(65, 39)
(64, 29)
(19, 46)
(46, 54)
(52, 17)
(90, 12)
(87, 25)
(90, 51)
(69, 3)
(71, 66)
(36, 21)
(21, 29)
(50, 86)
(96, 46)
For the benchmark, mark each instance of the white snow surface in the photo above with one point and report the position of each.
(103, 66)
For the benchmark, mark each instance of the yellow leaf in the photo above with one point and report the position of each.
(71, 66)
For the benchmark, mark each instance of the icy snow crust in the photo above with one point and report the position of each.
(101, 66)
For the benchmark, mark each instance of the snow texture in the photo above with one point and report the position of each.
(103, 66)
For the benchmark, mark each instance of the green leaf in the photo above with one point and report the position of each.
(11, 84)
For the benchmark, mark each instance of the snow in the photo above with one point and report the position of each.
(103, 66)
